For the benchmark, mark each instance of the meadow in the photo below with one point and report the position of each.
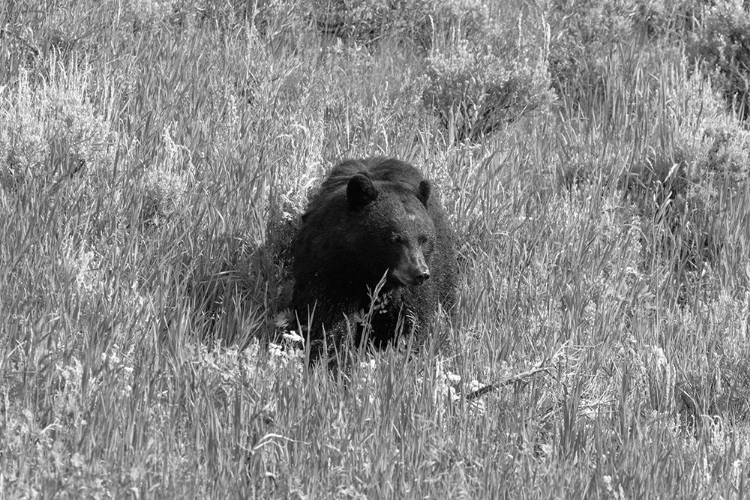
(593, 157)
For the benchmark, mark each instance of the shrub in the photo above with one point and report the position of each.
(475, 93)
(684, 181)
(722, 48)
(423, 22)
(366, 21)
(491, 76)
(165, 187)
(51, 133)
(584, 34)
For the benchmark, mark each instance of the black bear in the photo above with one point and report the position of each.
(372, 219)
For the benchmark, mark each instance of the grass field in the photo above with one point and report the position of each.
(155, 156)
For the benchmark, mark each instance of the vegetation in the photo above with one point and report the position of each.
(155, 156)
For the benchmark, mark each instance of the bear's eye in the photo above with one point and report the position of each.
(425, 243)
(397, 239)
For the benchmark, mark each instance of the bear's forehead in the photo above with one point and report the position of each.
(416, 214)
(408, 211)
(408, 206)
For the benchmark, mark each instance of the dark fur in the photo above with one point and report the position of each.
(370, 217)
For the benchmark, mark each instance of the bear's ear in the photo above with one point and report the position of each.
(423, 193)
(360, 192)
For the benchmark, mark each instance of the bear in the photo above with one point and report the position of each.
(372, 219)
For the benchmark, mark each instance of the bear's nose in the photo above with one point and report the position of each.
(423, 276)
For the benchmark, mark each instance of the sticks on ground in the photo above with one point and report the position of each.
(520, 377)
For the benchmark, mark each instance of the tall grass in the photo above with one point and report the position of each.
(154, 159)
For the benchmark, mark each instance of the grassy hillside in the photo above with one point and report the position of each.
(155, 156)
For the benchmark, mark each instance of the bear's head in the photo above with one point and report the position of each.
(396, 234)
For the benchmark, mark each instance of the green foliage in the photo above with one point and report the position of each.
(476, 93)
(53, 133)
(491, 76)
(584, 34)
(367, 21)
(722, 48)
(166, 186)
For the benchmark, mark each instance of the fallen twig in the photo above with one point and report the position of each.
(542, 367)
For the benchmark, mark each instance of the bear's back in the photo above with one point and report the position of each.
(380, 170)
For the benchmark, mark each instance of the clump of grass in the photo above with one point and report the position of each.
(53, 132)
(481, 81)
(369, 21)
(475, 93)
(167, 184)
(721, 49)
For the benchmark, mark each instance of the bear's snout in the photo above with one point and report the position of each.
(421, 272)
(423, 276)
(413, 271)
